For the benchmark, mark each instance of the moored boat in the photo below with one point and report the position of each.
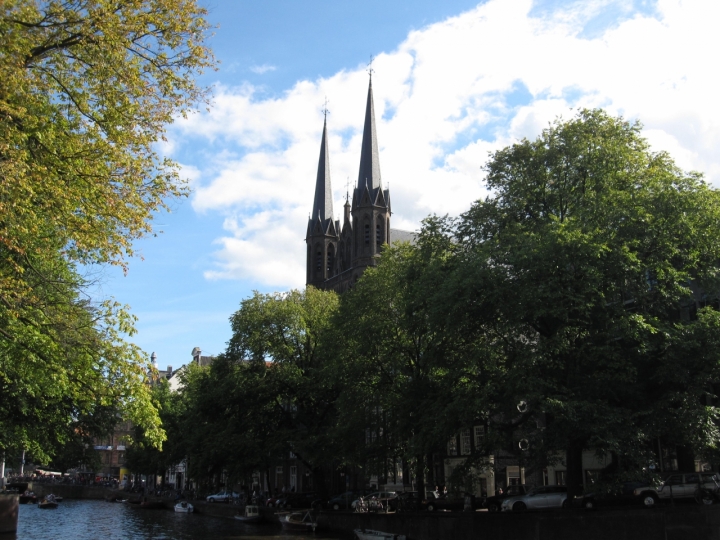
(369, 534)
(184, 507)
(27, 497)
(297, 521)
(251, 514)
(48, 503)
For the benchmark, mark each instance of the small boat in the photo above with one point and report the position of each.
(250, 515)
(48, 503)
(297, 521)
(28, 497)
(184, 507)
(369, 534)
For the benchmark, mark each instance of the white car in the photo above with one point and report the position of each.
(541, 498)
(223, 496)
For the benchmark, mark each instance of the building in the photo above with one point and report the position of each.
(337, 257)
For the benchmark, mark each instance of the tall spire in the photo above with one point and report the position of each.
(322, 206)
(369, 156)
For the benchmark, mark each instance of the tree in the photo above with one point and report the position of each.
(581, 274)
(86, 90)
(271, 393)
(404, 369)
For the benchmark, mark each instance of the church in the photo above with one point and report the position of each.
(337, 257)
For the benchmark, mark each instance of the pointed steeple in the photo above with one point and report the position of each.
(323, 206)
(369, 156)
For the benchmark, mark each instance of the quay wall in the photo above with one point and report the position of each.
(70, 491)
(665, 523)
(8, 513)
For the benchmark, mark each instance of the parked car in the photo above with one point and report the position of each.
(494, 503)
(448, 503)
(406, 501)
(679, 486)
(541, 498)
(624, 495)
(342, 501)
(223, 496)
(298, 500)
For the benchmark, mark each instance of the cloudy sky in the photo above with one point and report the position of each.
(453, 81)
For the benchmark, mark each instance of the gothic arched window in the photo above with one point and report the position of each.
(379, 236)
(330, 260)
(318, 260)
(367, 233)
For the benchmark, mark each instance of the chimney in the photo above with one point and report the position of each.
(153, 359)
(169, 370)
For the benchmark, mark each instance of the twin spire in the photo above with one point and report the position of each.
(369, 174)
(323, 204)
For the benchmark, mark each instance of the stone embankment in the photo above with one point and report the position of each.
(70, 491)
(8, 513)
(682, 522)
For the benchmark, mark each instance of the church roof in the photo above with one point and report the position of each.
(398, 235)
(369, 156)
(323, 204)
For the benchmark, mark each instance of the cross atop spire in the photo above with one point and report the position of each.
(370, 69)
(325, 110)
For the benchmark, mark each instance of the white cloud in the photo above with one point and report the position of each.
(262, 69)
(447, 96)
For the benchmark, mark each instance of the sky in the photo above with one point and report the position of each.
(453, 81)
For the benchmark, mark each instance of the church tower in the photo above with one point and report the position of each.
(322, 231)
(370, 210)
(336, 258)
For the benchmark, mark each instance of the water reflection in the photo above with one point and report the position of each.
(91, 520)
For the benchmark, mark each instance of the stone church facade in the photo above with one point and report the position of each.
(337, 257)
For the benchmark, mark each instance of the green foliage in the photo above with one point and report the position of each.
(86, 90)
(575, 273)
(270, 393)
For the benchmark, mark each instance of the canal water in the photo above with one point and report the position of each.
(93, 520)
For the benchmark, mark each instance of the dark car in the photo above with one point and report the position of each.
(297, 500)
(342, 501)
(449, 502)
(494, 503)
(406, 501)
(623, 495)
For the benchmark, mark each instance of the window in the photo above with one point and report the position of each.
(465, 442)
(378, 235)
(479, 436)
(293, 477)
(319, 260)
(330, 261)
(367, 233)
(560, 478)
(452, 447)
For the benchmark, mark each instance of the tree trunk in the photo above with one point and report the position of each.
(574, 479)
(420, 475)
(320, 484)
(686, 459)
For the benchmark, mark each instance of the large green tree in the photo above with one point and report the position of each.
(581, 274)
(272, 392)
(87, 88)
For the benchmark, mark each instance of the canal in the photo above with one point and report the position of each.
(93, 520)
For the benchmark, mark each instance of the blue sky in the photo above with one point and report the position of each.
(453, 81)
